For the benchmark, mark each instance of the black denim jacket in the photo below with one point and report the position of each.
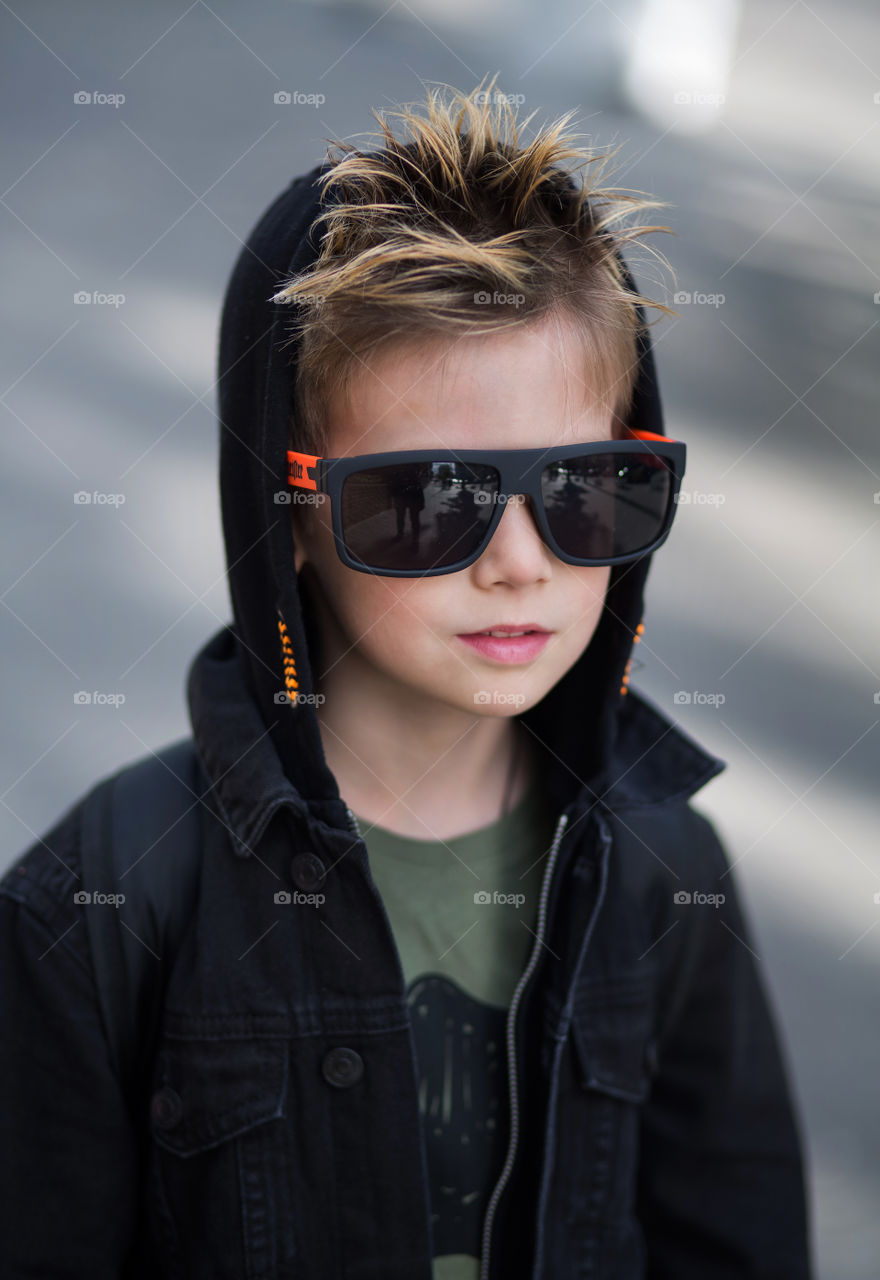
(653, 1132)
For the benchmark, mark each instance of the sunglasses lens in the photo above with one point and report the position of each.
(607, 505)
(417, 516)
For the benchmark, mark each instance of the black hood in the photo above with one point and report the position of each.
(581, 718)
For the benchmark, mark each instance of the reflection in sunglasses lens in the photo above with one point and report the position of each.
(415, 516)
(606, 505)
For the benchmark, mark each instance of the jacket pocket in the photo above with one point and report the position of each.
(209, 1091)
(597, 1132)
(221, 1196)
(612, 1035)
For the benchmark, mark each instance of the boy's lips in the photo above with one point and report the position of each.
(509, 628)
(517, 642)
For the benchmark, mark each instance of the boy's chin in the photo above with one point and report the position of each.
(497, 702)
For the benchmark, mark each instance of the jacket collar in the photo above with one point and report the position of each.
(654, 762)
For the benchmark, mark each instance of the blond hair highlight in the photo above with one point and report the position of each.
(432, 234)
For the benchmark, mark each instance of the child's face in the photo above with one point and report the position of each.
(523, 389)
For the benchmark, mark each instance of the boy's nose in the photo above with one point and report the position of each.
(516, 549)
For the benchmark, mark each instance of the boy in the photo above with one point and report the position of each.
(459, 986)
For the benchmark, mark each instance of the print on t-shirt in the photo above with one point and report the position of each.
(463, 1100)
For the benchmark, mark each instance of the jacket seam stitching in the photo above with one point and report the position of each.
(47, 928)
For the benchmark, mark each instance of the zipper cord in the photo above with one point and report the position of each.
(567, 1015)
(511, 1051)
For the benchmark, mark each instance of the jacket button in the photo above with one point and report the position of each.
(307, 871)
(342, 1067)
(166, 1107)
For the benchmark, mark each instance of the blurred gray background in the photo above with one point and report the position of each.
(759, 124)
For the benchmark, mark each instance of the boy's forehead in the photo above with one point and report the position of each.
(527, 387)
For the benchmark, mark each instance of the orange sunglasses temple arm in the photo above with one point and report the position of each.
(298, 467)
(651, 435)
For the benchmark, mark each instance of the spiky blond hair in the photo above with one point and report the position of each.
(425, 236)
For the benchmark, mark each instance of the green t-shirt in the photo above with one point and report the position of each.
(463, 912)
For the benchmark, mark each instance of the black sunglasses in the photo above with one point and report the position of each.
(603, 503)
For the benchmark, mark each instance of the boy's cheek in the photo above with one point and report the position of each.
(392, 625)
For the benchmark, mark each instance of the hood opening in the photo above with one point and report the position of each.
(273, 624)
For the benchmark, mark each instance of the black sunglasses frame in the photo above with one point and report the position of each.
(519, 474)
